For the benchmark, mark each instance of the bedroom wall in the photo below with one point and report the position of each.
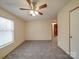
(63, 25)
(19, 32)
(39, 29)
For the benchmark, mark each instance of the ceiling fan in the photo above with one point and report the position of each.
(34, 10)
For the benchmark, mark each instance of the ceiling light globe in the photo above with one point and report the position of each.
(31, 12)
(36, 12)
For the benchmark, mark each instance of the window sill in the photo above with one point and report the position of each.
(5, 45)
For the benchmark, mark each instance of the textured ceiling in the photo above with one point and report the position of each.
(51, 11)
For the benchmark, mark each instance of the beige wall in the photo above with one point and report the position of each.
(19, 32)
(39, 30)
(63, 25)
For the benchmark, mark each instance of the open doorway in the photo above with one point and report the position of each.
(54, 32)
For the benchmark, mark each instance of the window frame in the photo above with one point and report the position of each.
(8, 43)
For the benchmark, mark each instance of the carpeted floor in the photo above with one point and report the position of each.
(37, 50)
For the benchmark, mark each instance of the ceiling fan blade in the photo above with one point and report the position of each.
(40, 13)
(29, 2)
(24, 9)
(43, 6)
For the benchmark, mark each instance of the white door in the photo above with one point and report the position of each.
(74, 32)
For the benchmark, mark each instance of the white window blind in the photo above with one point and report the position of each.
(6, 31)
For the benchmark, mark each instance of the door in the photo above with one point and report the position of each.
(55, 29)
(74, 33)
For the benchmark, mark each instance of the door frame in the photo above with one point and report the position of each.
(70, 28)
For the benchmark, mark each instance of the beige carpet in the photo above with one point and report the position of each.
(37, 50)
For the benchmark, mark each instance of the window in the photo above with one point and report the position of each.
(6, 32)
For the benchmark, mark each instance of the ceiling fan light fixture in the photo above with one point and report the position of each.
(33, 14)
(34, 7)
(36, 12)
(31, 11)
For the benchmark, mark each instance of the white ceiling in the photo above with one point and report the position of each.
(51, 11)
